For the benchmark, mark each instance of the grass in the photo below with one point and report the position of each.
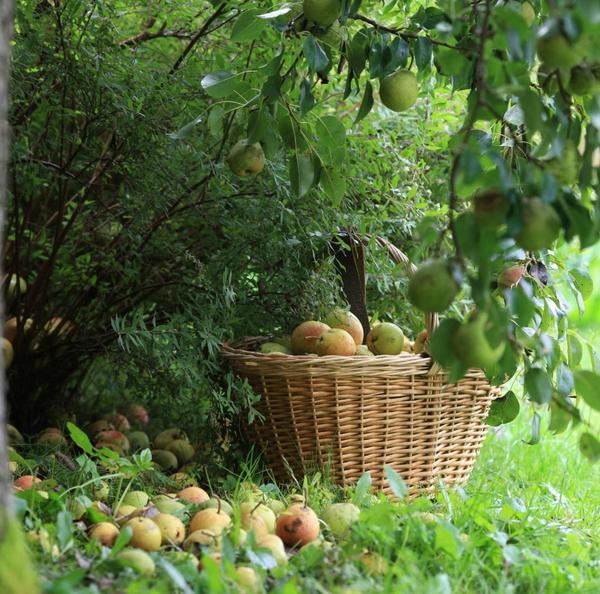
(528, 521)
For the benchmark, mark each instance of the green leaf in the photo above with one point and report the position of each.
(538, 385)
(331, 140)
(587, 386)
(564, 380)
(333, 184)
(123, 539)
(302, 174)
(64, 529)
(559, 418)
(222, 83)
(590, 447)
(423, 52)
(307, 100)
(248, 26)
(447, 539)
(363, 488)
(366, 104)
(315, 55)
(575, 351)
(397, 485)
(583, 282)
(504, 410)
(80, 438)
(186, 130)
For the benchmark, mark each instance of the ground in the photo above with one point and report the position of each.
(528, 521)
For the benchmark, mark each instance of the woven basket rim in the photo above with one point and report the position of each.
(422, 363)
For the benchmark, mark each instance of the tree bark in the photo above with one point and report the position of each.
(6, 9)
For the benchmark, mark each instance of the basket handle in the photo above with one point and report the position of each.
(350, 264)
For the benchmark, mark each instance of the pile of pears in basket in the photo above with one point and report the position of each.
(342, 335)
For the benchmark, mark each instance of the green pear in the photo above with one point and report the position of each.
(165, 459)
(246, 159)
(582, 81)
(471, 346)
(138, 560)
(270, 348)
(556, 51)
(138, 440)
(322, 12)
(167, 505)
(566, 167)
(340, 517)
(14, 435)
(432, 288)
(215, 503)
(362, 350)
(385, 339)
(136, 499)
(541, 225)
(183, 450)
(399, 90)
(164, 438)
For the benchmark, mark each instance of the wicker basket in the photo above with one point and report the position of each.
(348, 415)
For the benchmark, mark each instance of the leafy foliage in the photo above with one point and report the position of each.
(123, 208)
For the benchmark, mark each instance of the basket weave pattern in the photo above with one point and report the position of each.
(355, 414)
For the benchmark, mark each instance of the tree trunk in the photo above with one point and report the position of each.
(5, 35)
(17, 575)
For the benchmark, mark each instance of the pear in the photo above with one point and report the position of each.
(512, 275)
(183, 450)
(145, 534)
(471, 345)
(399, 90)
(202, 538)
(582, 81)
(215, 502)
(346, 320)
(304, 336)
(136, 499)
(386, 339)
(556, 51)
(210, 519)
(362, 350)
(432, 288)
(8, 353)
(270, 348)
(104, 532)
(171, 528)
(166, 460)
(335, 342)
(340, 517)
(164, 438)
(275, 545)
(14, 435)
(248, 579)
(246, 159)
(139, 561)
(566, 167)
(541, 225)
(298, 525)
(167, 505)
(260, 510)
(138, 440)
(193, 495)
(322, 12)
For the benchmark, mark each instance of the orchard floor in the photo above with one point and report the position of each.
(527, 522)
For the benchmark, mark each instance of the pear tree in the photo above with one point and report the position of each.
(522, 178)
